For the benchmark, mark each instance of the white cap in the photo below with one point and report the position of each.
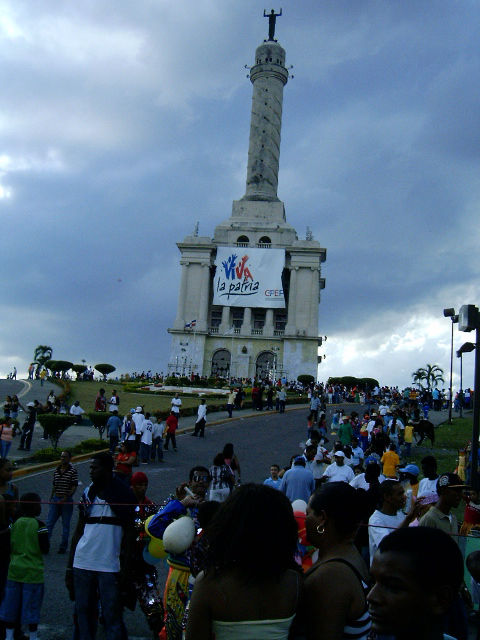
(138, 409)
(339, 454)
(30, 404)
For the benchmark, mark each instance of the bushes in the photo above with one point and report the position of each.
(305, 379)
(54, 424)
(86, 446)
(99, 420)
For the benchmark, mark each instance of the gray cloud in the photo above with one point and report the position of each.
(123, 125)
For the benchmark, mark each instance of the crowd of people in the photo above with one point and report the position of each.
(348, 539)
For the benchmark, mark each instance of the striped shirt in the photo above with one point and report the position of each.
(64, 481)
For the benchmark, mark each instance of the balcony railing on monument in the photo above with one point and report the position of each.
(213, 330)
(257, 332)
(242, 244)
(279, 332)
(264, 245)
(236, 331)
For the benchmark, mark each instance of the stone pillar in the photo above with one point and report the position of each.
(291, 328)
(268, 77)
(203, 306)
(180, 319)
(314, 299)
(268, 327)
(246, 328)
(225, 323)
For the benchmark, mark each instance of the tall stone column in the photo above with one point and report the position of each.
(246, 328)
(268, 327)
(180, 319)
(268, 77)
(291, 327)
(314, 300)
(225, 323)
(204, 291)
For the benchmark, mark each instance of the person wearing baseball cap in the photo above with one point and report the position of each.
(440, 516)
(409, 479)
(338, 471)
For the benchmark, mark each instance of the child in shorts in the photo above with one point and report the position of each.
(24, 590)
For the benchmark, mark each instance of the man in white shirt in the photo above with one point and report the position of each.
(357, 453)
(338, 471)
(138, 419)
(77, 411)
(201, 419)
(146, 439)
(390, 515)
(176, 404)
(105, 513)
(427, 486)
(157, 441)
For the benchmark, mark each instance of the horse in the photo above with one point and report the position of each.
(424, 429)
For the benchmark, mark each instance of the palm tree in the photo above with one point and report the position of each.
(42, 354)
(432, 374)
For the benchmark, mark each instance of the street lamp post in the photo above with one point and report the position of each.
(450, 313)
(465, 348)
(469, 319)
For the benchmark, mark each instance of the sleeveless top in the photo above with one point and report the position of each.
(253, 629)
(359, 628)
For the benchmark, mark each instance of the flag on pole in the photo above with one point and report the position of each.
(191, 324)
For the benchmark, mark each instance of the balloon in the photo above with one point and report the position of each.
(149, 559)
(179, 535)
(156, 549)
(302, 533)
(147, 522)
(299, 505)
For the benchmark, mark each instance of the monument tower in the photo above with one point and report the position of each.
(249, 296)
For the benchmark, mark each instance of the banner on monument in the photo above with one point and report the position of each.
(249, 277)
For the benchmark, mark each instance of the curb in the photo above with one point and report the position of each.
(25, 471)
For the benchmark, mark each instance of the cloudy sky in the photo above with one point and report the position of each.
(123, 123)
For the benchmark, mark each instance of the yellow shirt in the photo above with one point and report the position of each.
(390, 461)
(408, 433)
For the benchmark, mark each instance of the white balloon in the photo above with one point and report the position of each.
(179, 535)
(299, 505)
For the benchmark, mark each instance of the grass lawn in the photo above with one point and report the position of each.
(86, 392)
(449, 439)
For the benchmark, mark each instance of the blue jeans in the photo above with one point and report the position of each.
(157, 449)
(86, 584)
(57, 509)
(4, 448)
(144, 452)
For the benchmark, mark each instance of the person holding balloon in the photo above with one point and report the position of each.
(145, 575)
(172, 532)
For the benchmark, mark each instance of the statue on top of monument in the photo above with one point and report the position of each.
(272, 19)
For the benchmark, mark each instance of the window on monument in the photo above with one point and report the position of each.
(280, 321)
(264, 242)
(259, 319)
(237, 317)
(216, 317)
(243, 241)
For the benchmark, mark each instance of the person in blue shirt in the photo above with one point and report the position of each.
(298, 483)
(274, 480)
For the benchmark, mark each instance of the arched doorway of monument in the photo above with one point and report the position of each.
(221, 362)
(264, 365)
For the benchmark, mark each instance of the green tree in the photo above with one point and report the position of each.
(42, 354)
(105, 369)
(430, 374)
(55, 424)
(99, 420)
(79, 369)
(305, 378)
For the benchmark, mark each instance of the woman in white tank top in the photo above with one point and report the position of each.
(251, 587)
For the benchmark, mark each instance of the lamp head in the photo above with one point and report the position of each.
(448, 313)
